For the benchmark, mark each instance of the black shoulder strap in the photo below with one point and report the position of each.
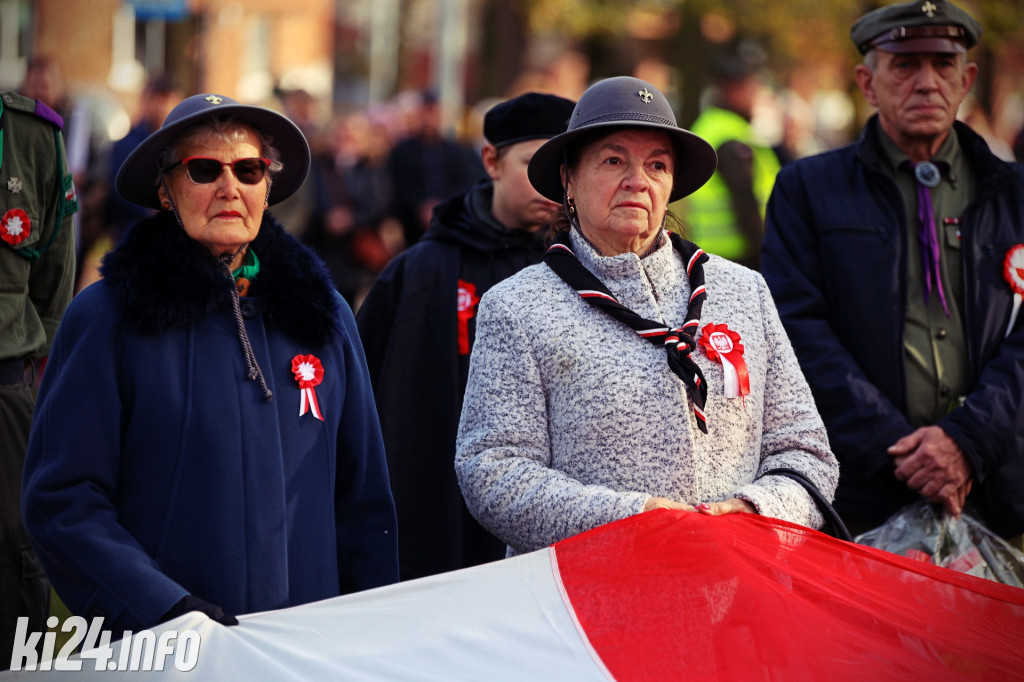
(833, 524)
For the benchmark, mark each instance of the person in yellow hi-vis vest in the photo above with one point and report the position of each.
(726, 216)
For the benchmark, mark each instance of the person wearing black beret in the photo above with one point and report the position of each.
(891, 261)
(418, 326)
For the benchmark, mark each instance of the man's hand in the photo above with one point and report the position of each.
(931, 462)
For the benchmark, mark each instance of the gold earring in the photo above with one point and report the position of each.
(166, 205)
(572, 206)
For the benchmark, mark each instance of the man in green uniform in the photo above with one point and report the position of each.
(37, 274)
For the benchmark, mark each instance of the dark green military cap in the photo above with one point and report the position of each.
(919, 26)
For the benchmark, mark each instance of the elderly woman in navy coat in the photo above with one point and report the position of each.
(206, 437)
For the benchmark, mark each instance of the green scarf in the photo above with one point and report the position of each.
(250, 268)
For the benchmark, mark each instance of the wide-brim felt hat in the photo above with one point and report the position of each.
(137, 178)
(616, 103)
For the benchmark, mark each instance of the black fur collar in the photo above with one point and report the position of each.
(162, 279)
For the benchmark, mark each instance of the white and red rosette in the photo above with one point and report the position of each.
(467, 300)
(1013, 271)
(15, 226)
(309, 373)
(722, 344)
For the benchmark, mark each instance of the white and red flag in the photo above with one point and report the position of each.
(664, 595)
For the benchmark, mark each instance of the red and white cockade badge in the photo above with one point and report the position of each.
(467, 300)
(309, 373)
(722, 344)
(1013, 271)
(15, 226)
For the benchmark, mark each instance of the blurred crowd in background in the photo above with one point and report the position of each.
(377, 172)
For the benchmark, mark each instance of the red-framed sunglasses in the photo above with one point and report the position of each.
(203, 170)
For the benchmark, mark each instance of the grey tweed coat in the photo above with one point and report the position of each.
(571, 420)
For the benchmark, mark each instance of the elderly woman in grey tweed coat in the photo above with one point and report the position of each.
(630, 370)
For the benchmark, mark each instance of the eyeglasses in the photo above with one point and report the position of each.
(203, 170)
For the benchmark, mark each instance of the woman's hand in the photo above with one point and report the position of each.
(733, 505)
(665, 503)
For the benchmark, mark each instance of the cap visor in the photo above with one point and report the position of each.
(930, 44)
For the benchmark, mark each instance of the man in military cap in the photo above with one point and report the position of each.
(418, 326)
(886, 259)
(37, 274)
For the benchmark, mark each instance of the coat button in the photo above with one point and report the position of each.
(248, 309)
(941, 334)
(944, 392)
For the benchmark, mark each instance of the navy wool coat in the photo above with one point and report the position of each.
(155, 469)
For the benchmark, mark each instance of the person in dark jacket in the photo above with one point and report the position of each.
(418, 325)
(205, 437)
(886, 259)
(426, 168)
(158, 97)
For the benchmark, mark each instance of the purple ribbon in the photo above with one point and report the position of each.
(928, 242)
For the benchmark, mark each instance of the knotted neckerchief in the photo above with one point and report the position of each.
(927, 176)
(678, 342)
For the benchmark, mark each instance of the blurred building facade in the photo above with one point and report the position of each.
(346, 53)
(244, 49)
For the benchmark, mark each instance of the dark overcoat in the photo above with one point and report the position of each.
(156, 469)
(410, 327)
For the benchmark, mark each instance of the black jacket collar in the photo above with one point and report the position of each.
(163, 279)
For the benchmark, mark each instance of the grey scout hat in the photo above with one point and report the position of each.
(616, 103)
(138, 176)
(919, 26)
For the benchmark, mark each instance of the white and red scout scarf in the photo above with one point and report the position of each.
(679, 342)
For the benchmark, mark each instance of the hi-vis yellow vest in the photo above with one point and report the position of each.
(708, 211)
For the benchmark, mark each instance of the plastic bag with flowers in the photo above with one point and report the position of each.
(927, 532)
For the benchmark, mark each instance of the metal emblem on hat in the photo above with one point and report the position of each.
(14, 185)
(646, 95)
(213, 99)
(929, 8)
(927, 173)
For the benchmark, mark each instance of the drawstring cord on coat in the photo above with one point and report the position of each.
(254, 372)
